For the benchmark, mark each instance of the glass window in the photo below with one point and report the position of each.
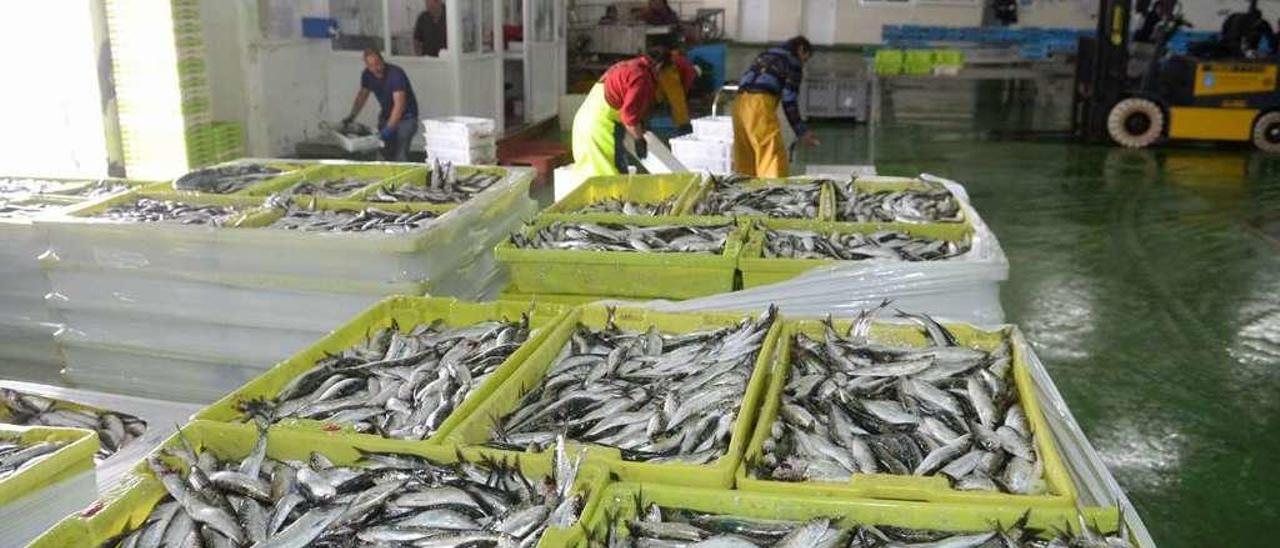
(420, 27)
(477, 26)
(544, 21)
(359, 24)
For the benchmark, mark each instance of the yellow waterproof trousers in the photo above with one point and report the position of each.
(671, 90)
(595, 136)
(758, 148)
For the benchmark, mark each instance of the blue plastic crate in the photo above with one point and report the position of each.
(1035, 52)
(319, 27)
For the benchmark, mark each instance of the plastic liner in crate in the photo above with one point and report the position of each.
(235, 177)
(83, 234)
(825, 206)
(422, 177)
(624, 502)
(865, 187)
(127, 505)
(314, 304)
(160, 418)
(68, 190)
(406, 314)
(758, 269)
(459, 233)
(664, 192)
(217, 333)
(1058, 489)
(672, 275)
(963, 289)
(42, 492)
(352, 180)
(479, 427)
(150, 373)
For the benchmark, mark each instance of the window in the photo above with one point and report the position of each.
(544, 20)
(360, 24)
(477, 26)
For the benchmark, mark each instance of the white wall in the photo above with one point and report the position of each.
(862, 24)
(50, 103)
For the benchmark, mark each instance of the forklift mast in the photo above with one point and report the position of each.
(1102, 70)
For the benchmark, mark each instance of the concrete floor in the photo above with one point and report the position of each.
(1146, 282)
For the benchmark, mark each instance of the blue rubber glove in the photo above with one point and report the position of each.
(388, 133)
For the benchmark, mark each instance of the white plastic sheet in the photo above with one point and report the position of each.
(162, 418)
(22, 520)
(964, 288)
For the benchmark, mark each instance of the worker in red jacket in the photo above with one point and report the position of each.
(674, 84)
(615, 108)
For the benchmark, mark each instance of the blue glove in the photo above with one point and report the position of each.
(388, 133)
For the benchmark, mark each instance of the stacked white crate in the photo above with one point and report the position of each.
(709, 148)
(27, 349)
(461, 140)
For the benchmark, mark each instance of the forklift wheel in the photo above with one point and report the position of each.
(1135, 123)
(1266, 132)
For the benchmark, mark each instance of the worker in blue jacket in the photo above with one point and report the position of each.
(773, 78)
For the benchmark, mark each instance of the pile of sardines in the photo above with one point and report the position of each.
(852, 405)
(854, 246)
(303, 219)
(150, 210)
(384, 499)
(20, 209)
(625, 207)
(15, 456)
(582, 236)
(225, 179)
(337, 187)
(791, 200)
(443, 185)
(906, 206)
(668, 527)
(656, 397)
(115, 430)
(21, 187)
(397, 384)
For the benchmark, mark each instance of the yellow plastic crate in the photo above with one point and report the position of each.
(644, 189)
(375, 173)
(826, 196)
(420, 176)
(478, 427)
(873, 184)
(406, 313)
(75, 458)
(127, 505)
(1061, 493)
(622, 274)
(619, 503)
(757, 270)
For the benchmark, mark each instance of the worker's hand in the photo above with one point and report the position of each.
(387, 133)
(642, 149)
(809, 139)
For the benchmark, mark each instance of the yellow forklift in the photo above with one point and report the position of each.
(1225, 91)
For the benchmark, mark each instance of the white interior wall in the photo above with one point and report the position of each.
(862, 24)
(56, 127)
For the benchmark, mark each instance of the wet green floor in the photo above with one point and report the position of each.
(1153, 303)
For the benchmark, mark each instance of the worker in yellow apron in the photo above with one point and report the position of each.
(616, 107)
(773, 78)
(674, 83)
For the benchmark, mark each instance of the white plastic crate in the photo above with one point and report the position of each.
(459, 126)
(713, 166)
(357, 144)
(714, 128)
(456, 141)
(483, 154)
(691, 148)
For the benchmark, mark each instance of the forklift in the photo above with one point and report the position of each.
(1226, 92)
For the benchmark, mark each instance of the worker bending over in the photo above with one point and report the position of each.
(775, 75)
(398, 121)
(616, 107)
